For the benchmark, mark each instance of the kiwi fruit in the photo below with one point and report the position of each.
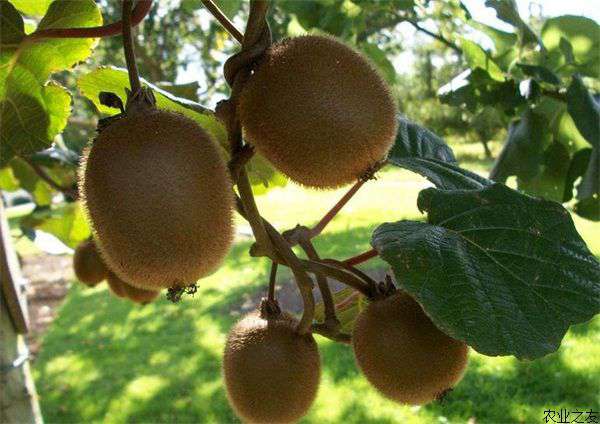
(88, 265)
(159, 197)
(271, 372)
(121, 289)
(403, 354)
(318, 111)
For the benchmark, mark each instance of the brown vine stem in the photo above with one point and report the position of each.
(134, 78)
(331, 320)
(339, 274)
(41, 172)
(363, 257)
(142, 8)
(223, 20)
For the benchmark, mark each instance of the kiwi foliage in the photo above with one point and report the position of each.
(319, 111)
(403, 354)
(271, 373)
(88, 266)
(121, 289)
(159, 197)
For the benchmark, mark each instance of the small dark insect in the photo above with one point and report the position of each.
(174, 294)
(443, 396)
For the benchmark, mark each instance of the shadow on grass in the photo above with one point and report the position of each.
(106, 360)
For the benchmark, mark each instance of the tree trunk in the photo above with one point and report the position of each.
(18, 398)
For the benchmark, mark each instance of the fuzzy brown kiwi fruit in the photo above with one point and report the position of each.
(121, 289)
(403, 354)
(319, 111)
(271, 373)
(88, 265)
(159, 197)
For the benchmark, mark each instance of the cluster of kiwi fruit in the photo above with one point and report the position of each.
(272, 373)
(320, 112)
(91, 270)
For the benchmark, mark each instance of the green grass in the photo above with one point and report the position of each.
(106, 360)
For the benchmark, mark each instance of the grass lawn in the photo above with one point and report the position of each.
(106, 360)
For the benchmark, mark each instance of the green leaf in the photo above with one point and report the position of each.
(522, 154)
(550, 182)
(588, 191)
(577, 167)
(8, 181)
(505, 272)
(476, 57)
(12, 28)
(584, 110)
(567, 50)
(115, 80)
(31, 112)
(540, 73)
(582, 33)
(66, 222)
(503, 41)
(187, 91)
(32, 7)
(443, 175)
(381, 61)
(507, 11)
(413, 140)
(29, 181)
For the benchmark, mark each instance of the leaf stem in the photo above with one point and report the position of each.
(142, 8)
(318, 229)
(134, 78)
(338, 273)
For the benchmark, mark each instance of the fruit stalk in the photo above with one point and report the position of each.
(142, 8)
(134, 78)
(362, 257)
(272, 281)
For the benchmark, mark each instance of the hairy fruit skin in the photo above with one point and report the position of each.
(159, 197)
(403, 354)
(88, 266)
(319, 111)
(121, 289)
(271, 373)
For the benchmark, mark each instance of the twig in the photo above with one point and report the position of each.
(134, 78)
(438, 37)
(339, 274)
(272, 281)
(335, 336)
(142, 8)
(223, 20)
(41, 172)
(363, 257)
(331, 320)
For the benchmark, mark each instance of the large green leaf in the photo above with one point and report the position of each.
(588, 191)
(523, 152)
(413, 140)
(476, 57)
(584, 110)
(67, 222)
(31, 112)
(583, 34)
(32, 7)
(381, 61)
(507, 11)
(505, 272)
(40, 191)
